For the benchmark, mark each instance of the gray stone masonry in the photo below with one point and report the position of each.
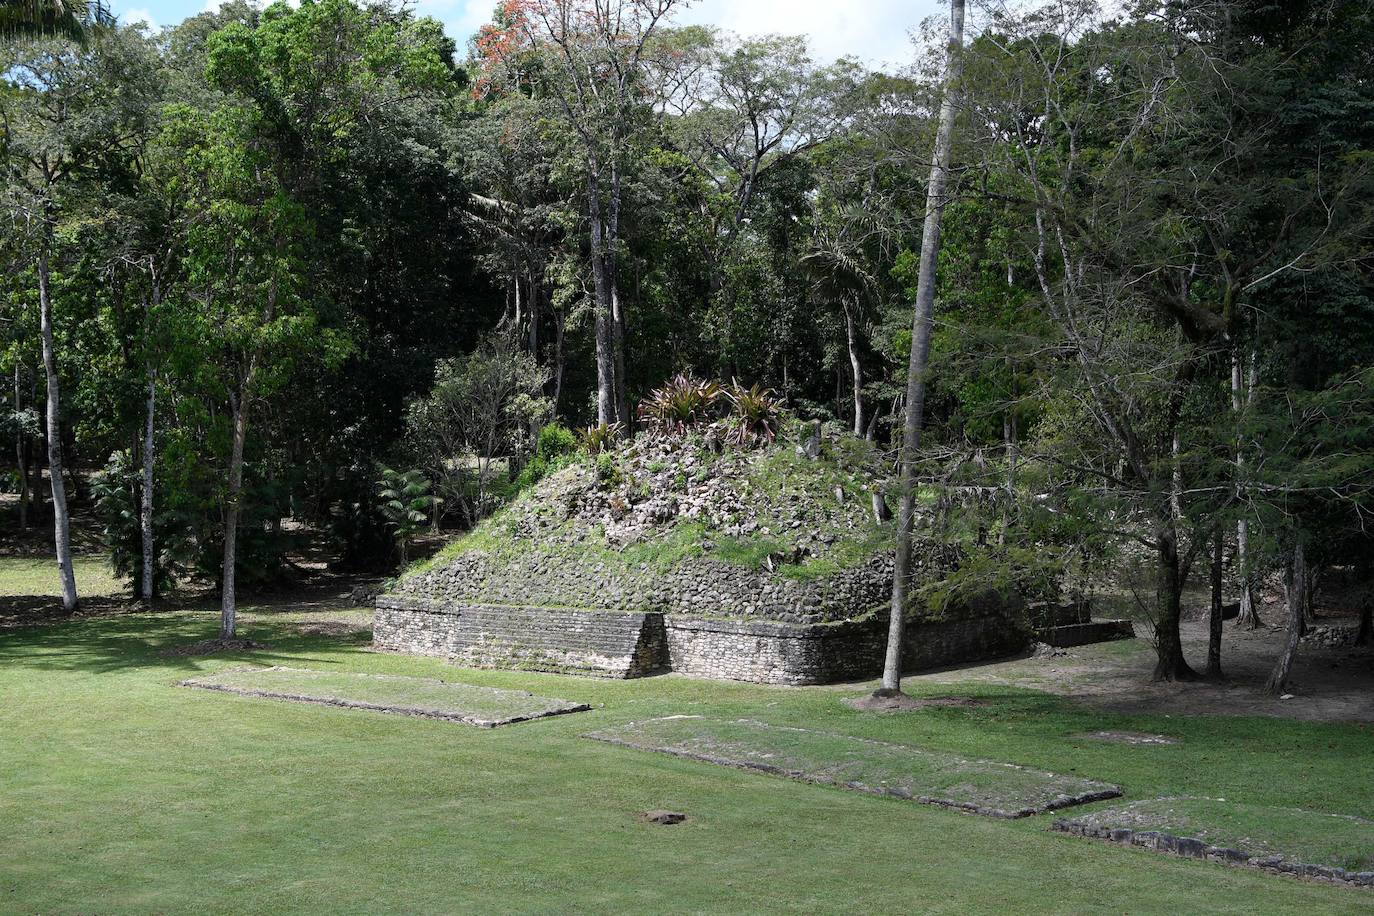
(627, 644)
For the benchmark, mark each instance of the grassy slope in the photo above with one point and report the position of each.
(122, 793)
(774, 481)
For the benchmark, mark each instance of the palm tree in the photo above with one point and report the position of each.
(49, 18)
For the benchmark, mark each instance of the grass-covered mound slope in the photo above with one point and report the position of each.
(688, 524)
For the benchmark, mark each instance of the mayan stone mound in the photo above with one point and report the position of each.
(762, 565)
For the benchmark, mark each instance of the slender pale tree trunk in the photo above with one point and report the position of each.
(21, 450)
(145, 513)
(1012, 447)
(536, 286)
(605, 349)
(1297, 589)
(62, 531)
(1176, 477)
(622, 391)
(1214, 619)
(560, 326)
(920, 350)
(1249, 613)
(855, 368)
(228, 599)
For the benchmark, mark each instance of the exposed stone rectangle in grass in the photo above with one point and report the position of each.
(933, 777)
(1293, 841)
(485, 707)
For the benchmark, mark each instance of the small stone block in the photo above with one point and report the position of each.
(665, 818)
(1186, 846)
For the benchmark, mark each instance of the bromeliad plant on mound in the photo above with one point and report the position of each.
(682, 404)
(600, 438)
(748, 416)
(755, 413)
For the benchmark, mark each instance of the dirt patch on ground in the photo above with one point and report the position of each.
(1329, 684)
(213, 647)
(901, 703)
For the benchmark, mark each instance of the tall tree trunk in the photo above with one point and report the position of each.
(1214, 618)
(560, 326)
(228, 607)
(920, 351)
(145, 512)
(1249, 613)
(62, 532)
(1175, 477)
(536, 286)
(622, 391)
(33, 454)
(1012, 448)
(21, 450)
(855, 368)
(1171, 665)
(605, 355)
(1297, 588)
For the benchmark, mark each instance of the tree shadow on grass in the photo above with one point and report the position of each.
(143, 640)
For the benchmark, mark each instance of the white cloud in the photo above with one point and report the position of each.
(137, 14)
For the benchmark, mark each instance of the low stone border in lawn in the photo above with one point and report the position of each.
(986, 787)
(1138, 739)
(429, 698)
(1110, 824)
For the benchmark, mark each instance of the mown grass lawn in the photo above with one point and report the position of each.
(38, 576)
(123, 793)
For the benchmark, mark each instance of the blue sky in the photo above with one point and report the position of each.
(876, 31)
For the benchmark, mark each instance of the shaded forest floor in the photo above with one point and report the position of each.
(1328, 685)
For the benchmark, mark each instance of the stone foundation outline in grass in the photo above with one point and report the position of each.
(430, 698)
(1137, 739)
(1169, 832)
(986, 787)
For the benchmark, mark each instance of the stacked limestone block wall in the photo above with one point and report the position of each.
(835, 631)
